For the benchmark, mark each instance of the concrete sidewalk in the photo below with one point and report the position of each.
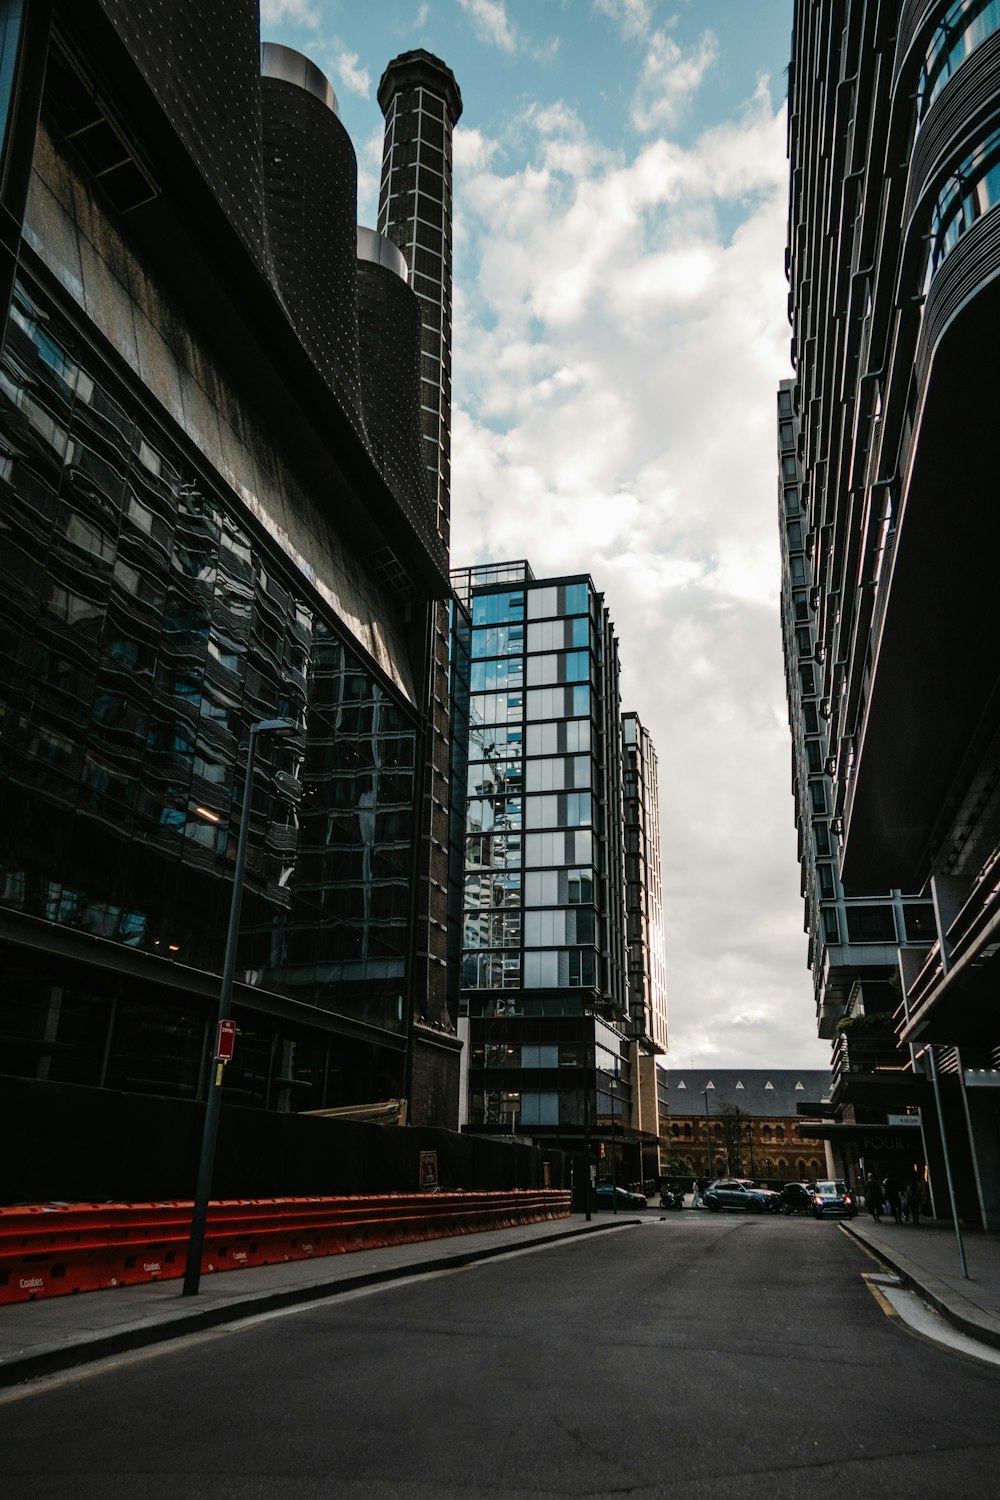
(56, 1333)
(927, 1259)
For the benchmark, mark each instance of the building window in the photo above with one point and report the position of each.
(967, 195)
(817, 796)
(826, 881)
(540, 1108)
(871, 924)
(545, 1055)
(919, 922)
(831, 926)
(492, 609)
(963, 28)
(487, 675)
(498, 640)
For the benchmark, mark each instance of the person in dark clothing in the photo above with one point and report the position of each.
(913, 1198)
(873, 1197)
(893, 1197)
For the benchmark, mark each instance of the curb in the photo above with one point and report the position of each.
(937, 1293)
(102, 1346)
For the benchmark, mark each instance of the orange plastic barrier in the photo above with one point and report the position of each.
(49, 1250)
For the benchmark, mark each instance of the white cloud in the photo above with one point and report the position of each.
(370, 176)
(617, 349)
(491, 23)
(296, 12)
(472, 151)
(633, 17)
(353, 77)
(669, 78)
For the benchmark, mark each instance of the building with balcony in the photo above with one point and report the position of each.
(852, 940)
(894, 270)
(552, 862)
(217, 510)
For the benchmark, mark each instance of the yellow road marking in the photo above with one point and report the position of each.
(882, 1300)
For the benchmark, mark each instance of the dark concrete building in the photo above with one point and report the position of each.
(215, 496)
(894, 269)
(422, 104)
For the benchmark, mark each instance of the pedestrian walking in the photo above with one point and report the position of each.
(893, 1196)
(913, 1198)
(873, 1197)
(695, 1195)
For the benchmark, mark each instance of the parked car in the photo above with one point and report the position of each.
(796, 1198)
(733, 1192)
(833, 1198)
(607, 1195)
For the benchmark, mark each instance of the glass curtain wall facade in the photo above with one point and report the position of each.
(144, 626)
(196, 517)
(643, 885)
(543, 985)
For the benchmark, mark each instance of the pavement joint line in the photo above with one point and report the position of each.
(50, 1361)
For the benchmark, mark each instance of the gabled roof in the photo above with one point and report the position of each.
(757, 1091)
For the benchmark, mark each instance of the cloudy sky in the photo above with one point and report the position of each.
(620, 329)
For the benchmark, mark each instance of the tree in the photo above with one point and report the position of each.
(731, 1123)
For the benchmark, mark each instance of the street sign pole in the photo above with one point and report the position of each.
(225, 1028)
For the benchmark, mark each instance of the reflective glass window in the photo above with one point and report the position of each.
(498, 640)
(486, 675)
(972, 191)
(494, 609)
(963, 28)
(121, 787)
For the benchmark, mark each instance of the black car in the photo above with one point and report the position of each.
(796, 1198)
(733, 1192)
(608, 1195)
(833, 1197)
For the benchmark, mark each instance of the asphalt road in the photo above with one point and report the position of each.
(704, 1355)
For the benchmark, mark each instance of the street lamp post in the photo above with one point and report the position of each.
(210, 1130)
(586, 1121)
(613, 1086)
(708, 1136)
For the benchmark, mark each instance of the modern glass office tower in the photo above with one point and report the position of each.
(216, 510)
(544, 990)
(645, 941)
(894, 270)
(643, 890)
